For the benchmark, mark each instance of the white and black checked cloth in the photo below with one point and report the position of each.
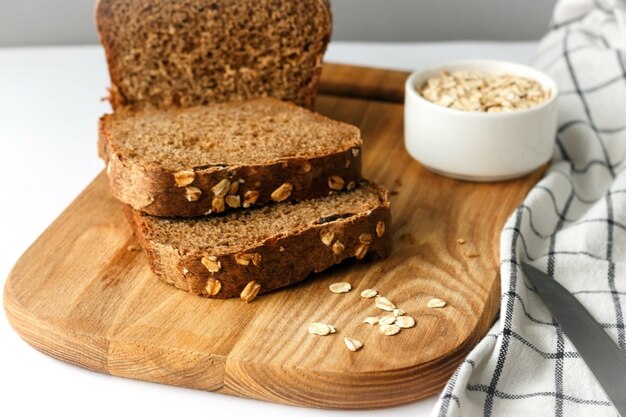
(572, 225)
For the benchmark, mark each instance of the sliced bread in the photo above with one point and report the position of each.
(256, 251)
(164, 53)
(208, 159)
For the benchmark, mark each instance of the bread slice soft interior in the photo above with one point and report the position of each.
(164, 53)
(237, 133)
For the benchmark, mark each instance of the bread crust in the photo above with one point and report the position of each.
(301, 93)
(284, 259)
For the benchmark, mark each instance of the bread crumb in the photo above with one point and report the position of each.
(460, 241)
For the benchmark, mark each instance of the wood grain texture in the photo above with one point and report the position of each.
(363, 82)
(79, 295)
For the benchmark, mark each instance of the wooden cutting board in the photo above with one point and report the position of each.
(80, 295)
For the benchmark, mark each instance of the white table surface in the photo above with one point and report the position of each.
(49, 107)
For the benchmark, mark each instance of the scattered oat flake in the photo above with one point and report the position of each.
(399, 312)
(132, 247)
(369, 293)
(340, 287)
(405, 322)
(384, 304)
(387, 320)
(389, 329)
(321, 329)
(371, 320)
(436, 303)
(332, 328)
(472, 254)
(460, 241)
(352, 344)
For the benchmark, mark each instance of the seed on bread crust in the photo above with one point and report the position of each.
(336, 182)
(243, 259)
(351, 186)
(192, 193)
(346, 164)
(233, 201)
(327, 236)
(234, 187)
(361, 251)
(246, 258)
(365, 238)
(146, 200)
(250, 291)
(213, 286)
(249, 198)
(184, 178)
(221, 188)
(282, 193)
(218, 205)
(338, 248)
(380, 228)
(355, 152)
(211, 263)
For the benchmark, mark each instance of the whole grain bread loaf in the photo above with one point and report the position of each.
(164, 53)
(252, 252)
(208, 159)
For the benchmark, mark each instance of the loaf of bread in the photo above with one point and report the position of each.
(255, 251)
(208, 159)
(164, 53)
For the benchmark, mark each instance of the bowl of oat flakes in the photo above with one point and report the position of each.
(480, 120)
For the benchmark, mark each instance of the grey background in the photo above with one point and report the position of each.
(70, 22)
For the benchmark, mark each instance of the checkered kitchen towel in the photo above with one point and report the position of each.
(572, 225)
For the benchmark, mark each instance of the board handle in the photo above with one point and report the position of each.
(363, 82)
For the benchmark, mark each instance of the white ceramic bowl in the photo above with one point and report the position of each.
(479, 146)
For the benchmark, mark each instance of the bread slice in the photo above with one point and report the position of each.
(164, 53)
(256, 251)
(208, 159)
